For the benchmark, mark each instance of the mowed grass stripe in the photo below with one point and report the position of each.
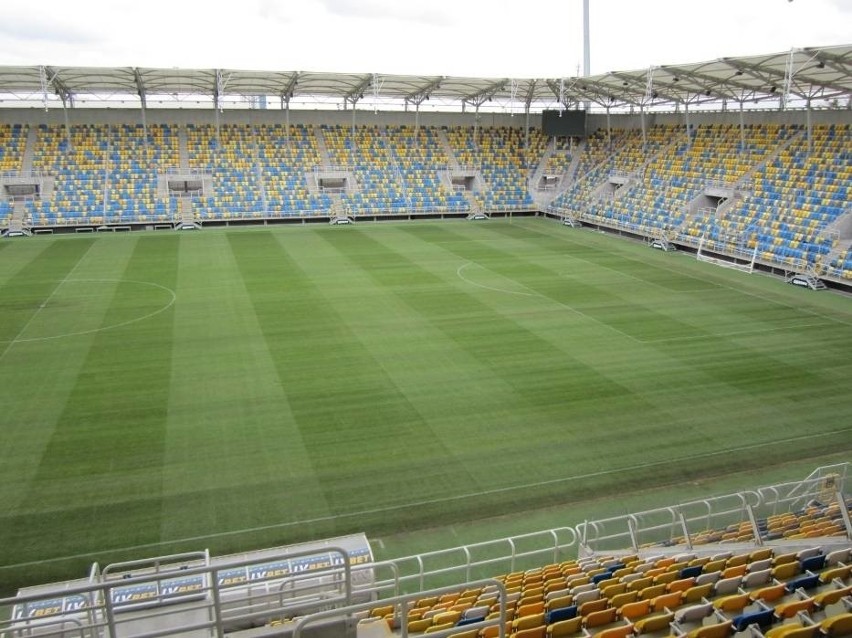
(748, 384)
(21, 297)
(99, 480)
(753, 370)
(562, 397)
(477, 390)
(234, 454)
(37, 376)
(456, 394)
(596, 302)
(698, 299)
(791, 367)
(367, 443)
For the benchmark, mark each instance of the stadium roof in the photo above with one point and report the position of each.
(798, 75)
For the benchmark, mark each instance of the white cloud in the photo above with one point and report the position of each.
(532, 38)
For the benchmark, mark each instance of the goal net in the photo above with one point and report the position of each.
(744, 263)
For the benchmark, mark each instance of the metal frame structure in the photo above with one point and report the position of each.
(216, 608)
(799, 77)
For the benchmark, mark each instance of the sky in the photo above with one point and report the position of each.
(496, 38)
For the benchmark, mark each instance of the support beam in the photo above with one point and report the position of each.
(686, 123)
(742, 128)
(810, 130)
(140, 88)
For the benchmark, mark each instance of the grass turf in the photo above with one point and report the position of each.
(245, 388)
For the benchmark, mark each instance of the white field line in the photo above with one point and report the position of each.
(533, 293)
(111, 326)
(56, 288)
(442, 499)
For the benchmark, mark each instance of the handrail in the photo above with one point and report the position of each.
(399, 602)
(708, 513)
(102, 605)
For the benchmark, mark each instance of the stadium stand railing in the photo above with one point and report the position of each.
(787, 567)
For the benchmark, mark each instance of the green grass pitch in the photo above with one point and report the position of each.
(247, 388)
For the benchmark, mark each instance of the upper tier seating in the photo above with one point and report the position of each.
(13, 139)
(420, 159)
(379, 188)
(499, 155)
(229, 160)
(285, 160)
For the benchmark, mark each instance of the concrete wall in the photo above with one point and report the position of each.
(35, 116)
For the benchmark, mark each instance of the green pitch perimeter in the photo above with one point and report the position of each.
(248, 388)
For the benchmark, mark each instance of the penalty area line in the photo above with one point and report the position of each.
(436, 501)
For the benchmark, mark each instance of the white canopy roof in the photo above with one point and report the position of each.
(809, 74)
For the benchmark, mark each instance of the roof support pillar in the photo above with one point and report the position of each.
(642, 121)
(218, 126)
(742, 128)
(140, 88)
(810, 128)
(417, 123)
(67, 125)
(587, 63)
(686, 123)
(287, 120)
(476, 125)
(608, 131)
(145, 122)
(527, 126)
(353, 121)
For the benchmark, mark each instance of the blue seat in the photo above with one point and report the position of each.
(813, 563)
(563, 613)
(763, 618)
(808, 581)
(691, 572)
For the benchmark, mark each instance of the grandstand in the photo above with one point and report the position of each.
(764, 186)
(768, 562)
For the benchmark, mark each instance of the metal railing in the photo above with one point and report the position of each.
(210, 598)
(681, 523)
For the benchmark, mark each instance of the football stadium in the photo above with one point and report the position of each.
(298, 353)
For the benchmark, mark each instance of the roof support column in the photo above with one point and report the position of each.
(742, 128)
(417, 123)
(144, 122)
(476, 125)
(140, 88)
(287, 120)
(810, 128)
(527, 126)
(608, 131)
(587, 64)
(353, 120)
(642, 121)
(67, 124)
(686, 123)
(218, 126)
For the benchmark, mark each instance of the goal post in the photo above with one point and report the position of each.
(744, 265)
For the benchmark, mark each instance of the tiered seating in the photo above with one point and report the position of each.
(711, 596)
(795, 197)
(378, 188)
(600, 159)
(284, 164)
(420, 158)
(79, 171)
(13, 140)
(230, 162)
(841, 266)
(715, 155)
(133, 169)
(502, 161)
